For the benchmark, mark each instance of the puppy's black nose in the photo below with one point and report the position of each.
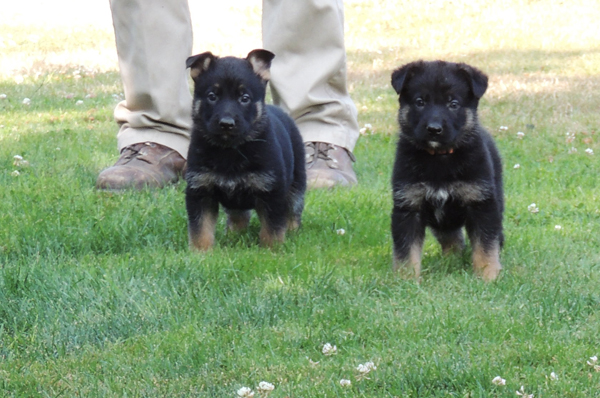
(434, 128)
(227, 123)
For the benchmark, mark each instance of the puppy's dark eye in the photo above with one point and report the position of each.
(453, 105)
(245, 99)
(419, 102)
(211, 97)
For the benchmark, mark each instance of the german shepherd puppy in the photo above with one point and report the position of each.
(448, 172)
(243, 154)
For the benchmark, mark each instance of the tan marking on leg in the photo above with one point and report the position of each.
(238, 220)
(410, 268)
(293, 223)
(487, 263)
(268, 237)
(205, 237)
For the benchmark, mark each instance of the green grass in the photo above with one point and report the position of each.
(100, 296)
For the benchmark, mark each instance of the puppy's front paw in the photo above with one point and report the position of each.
(408, 269)
(486, 263)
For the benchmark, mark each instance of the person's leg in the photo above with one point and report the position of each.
(154, 38)
(308, 80)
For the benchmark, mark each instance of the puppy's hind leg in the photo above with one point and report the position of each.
(237, 220)
(408, 233)
(273, 221)
(451, 241)
(295, 209)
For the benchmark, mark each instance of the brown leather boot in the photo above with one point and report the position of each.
(142, 165)
(328, 165)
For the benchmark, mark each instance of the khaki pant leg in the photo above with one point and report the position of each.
(154, 38)
(308, 74)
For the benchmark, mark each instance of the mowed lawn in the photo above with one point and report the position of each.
(100, 296)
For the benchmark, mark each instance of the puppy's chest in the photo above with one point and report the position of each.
(231, 183)
(415, 195)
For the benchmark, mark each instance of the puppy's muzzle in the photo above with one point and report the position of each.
(227, 123)
(434, 129)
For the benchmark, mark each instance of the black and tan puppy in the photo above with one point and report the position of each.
(448, 173)
(243, 154)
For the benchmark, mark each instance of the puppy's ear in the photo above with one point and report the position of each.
(476, 79)
(200, 63)
(401, 75)
(261, 63)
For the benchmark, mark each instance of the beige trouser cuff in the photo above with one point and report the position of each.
(154, 38)
(308, 74)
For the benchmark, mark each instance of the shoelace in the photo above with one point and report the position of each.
(321, 151)
(135, 151)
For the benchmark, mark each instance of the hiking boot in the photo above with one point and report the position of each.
(328, 165)
(142, 165)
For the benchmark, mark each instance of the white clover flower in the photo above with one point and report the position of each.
(572, 150)
(329, 349)
(15, 173)
(589, 151)
(520, 135)
(265, 387)
(533, 208)
(19, 161)
(245, 392)
(557, 227)
(341, 231)
(345, 383)
(517, 166)
(553, 376)
(523, 394)
(593, 362)
(570, 137)
(26, 101)
(2, 96)
(80, 102)
(368, 128)
(313, 363)
(499, 381)
(503, 127)
(366, 368)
